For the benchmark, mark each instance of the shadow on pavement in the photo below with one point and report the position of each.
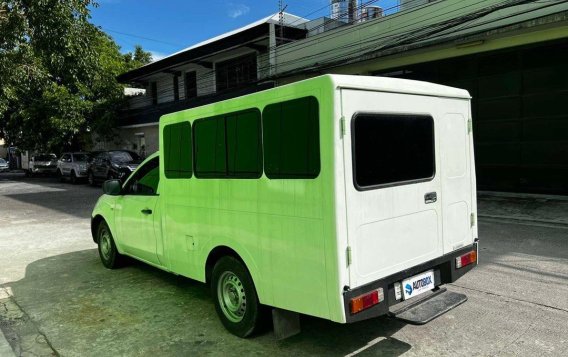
(50, 194)
(85, 309)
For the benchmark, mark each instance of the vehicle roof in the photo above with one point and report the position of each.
(331, 81)
(397, 85)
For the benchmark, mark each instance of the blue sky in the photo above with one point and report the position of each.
(166, 26)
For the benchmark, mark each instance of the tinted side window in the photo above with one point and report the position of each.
(392, 149)
(291, 139)
(228, 146)
(177, 151)
(146, 179)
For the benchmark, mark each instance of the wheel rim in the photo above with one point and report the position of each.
(105, 242)
(231, 295)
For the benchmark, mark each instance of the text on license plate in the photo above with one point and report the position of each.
(418, 284)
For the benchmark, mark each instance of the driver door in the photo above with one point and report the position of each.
(136, 213)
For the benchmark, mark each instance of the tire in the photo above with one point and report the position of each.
(110, 257)
(73, 177)
(91, 178)
(236, 301)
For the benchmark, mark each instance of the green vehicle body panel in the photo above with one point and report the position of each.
(282, 229)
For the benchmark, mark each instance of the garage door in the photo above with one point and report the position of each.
(519, 104)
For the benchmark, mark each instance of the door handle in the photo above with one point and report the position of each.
(430, 197)
(146, 211)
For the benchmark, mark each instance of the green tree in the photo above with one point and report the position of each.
(58, 75)
(137, 58)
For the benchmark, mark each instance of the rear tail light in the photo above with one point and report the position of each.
(466, 259)
(367, 300)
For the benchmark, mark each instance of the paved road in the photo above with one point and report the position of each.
(56, 296)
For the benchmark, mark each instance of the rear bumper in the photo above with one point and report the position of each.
(445, 272)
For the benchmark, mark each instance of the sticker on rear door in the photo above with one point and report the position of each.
(418, 284)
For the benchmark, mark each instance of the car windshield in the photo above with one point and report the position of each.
(2, 161)
(45, 158)
(80, 157)
(123, 156)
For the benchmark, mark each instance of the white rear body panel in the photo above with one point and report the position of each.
(392, 228)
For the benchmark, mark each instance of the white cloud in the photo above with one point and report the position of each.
(156, 56)
(236, 10)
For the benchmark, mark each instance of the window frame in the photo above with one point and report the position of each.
(396, 183)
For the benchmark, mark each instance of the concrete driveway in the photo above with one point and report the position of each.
(57, 299)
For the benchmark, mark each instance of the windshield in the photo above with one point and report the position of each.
(123, 156)
(80, 157)
(2, 161)
(45, 157)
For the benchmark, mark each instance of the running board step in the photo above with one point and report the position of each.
(426, 310)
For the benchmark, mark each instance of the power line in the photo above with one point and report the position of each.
(144, 38)
(406, 39)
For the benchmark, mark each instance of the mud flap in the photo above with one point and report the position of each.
(428, 308)
(286, 323)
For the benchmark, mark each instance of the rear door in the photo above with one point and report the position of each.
(393, 188)
(456, 174)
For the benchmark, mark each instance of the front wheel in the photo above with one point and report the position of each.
(235, 298)
(110, 257)
(73, 178)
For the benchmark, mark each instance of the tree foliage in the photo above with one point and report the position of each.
(58, 74)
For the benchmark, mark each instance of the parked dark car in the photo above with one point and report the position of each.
(114, 164)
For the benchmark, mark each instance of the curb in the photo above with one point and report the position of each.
(526, 221)
(535, 196)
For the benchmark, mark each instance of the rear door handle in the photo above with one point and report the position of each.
(146, 211)
(430, 197)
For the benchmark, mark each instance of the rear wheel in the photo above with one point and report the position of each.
(235, 298)
(110, 257)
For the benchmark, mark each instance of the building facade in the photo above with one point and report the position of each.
(223, 67)
(510, 55)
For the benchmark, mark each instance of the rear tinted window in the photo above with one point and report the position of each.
(80, 157)
(123, 156)
(392, 149)
(228, 146)
(177, 151)
(291, 139)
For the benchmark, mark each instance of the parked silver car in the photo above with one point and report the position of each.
(42, 164)
(72, 165)
(4, 166)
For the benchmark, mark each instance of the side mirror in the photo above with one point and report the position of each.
(112, 187)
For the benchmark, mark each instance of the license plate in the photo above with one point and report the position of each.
(418, 284)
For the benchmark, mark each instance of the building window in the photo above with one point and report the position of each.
(154, 92)
(177, 150)
(228, 146)
(291, 139)
(392, 149)
(236, 72)
(190, 85)
(176, 87)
